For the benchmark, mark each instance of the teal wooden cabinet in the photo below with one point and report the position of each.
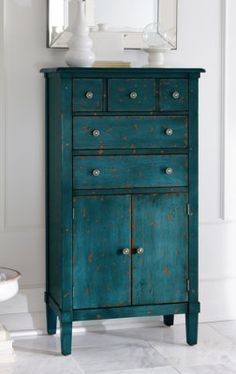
(121, 196)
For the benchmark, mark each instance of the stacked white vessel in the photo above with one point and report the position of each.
(8, 288)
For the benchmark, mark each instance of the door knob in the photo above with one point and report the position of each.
(133, 95)
(169, 171)
(96, 133)
(126, 251)
(89, 95)
(96, 172)
(140, 251)
(176, 95)
(169, 132)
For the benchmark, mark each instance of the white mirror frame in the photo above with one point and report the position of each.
(131, 39)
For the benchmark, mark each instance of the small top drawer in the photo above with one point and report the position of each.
(87, 95)
(120, 132)
(131, 95)
(173, 94)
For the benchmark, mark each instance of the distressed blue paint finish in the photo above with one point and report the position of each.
(129, 311)
(130, 171)
(101, 271)
(169, 319)
(59, 199)
(191, 328)
(134, 73)
(168, 87)
(129, 151)
(130, 132)
(119, 91)
(160, 227)
(66, 196)
(191, 316)
(83, 86)
(53, 206)
(66, 337)
(51, 320)
(132, 153)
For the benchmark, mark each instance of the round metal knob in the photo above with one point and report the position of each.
(96, 133)
(140, 251)
(169, 171)
(96, 172)
(126, 251)
(89, 95)
(176, 95)
(169, 132)
(133, 95)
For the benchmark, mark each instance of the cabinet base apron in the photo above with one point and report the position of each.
(168, 311)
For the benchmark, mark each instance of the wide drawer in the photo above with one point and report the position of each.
(131, 95)
(130, 132)
(91, 172)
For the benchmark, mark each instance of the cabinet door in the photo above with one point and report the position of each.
(160, 227)
(101, 270)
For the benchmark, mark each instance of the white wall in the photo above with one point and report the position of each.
(203, 25)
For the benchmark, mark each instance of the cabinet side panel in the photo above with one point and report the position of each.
(193, 189)
(54, 193)
(66, 186)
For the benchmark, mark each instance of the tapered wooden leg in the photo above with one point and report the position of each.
(66, 338)
(51, 320)
(169, 320)
(192, 328)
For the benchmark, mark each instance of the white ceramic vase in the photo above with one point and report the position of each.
(156, 57)
(8, 283)
(8, 288)
(80, 53)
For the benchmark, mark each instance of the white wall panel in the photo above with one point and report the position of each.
(230, 112)
(199, 44)
(24, 250)
(25, 53)
(2, 118)
(217, 251)
(218, 300)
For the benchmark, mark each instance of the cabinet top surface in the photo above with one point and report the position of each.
(151, 72)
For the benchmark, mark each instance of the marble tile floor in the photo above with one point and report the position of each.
(146, 350)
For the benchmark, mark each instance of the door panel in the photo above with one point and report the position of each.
(101, 271)
(160, 228)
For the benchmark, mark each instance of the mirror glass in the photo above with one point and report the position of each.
(128, 17)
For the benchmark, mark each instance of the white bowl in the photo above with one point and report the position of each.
(8, 283)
